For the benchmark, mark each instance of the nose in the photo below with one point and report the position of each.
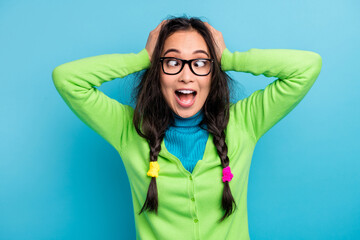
(186, 75)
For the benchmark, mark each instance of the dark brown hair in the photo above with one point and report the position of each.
(152, 115)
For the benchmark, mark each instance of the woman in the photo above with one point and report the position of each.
(198, 144)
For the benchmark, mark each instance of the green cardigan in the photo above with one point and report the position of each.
(189, 204)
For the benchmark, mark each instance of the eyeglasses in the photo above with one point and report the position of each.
(198, 66)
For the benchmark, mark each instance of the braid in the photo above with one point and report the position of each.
(216, 126)
(221, 147)
(151, 202)
(228, 202)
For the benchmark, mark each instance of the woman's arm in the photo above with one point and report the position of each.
(296, 71)
(75, 83)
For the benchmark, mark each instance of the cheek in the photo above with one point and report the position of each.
(206, 86)
(165, 87)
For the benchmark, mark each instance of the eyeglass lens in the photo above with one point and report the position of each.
(199, 66)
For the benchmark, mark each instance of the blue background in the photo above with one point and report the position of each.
(60, 180)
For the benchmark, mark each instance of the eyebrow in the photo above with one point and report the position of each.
(177, 51)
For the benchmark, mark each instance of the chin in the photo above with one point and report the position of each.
(186, 113)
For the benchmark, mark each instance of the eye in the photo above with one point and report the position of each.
(200, 63)
(172, 62)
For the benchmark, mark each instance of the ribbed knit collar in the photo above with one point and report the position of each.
(192, 121)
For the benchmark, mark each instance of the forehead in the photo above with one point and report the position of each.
(186, 42)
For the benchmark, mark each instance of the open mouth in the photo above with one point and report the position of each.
(185, 98)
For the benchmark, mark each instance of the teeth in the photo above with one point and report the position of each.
(185, 91)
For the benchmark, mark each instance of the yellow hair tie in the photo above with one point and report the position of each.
(154, 169)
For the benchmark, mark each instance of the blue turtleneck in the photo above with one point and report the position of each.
(186, 140)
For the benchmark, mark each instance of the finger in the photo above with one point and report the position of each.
(209, 26)
(161, 24)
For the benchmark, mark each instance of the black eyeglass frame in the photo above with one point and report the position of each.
(186, 62)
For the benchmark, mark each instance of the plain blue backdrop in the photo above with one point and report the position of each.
(60, 180)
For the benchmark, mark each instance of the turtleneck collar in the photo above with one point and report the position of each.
(192, 121)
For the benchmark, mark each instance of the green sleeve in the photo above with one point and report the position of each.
(295, 70)
(75, 83)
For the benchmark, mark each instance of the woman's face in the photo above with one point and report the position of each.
(185, 92)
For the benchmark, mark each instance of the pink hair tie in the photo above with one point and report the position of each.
(227, 175)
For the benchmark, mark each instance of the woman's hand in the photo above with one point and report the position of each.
(219, 40)
(152, 39)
